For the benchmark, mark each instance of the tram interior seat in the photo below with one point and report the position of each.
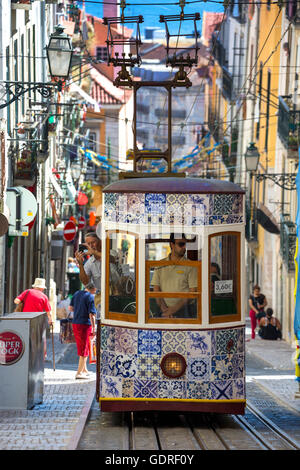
(118, 303)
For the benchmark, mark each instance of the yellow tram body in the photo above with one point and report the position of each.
(193, 360)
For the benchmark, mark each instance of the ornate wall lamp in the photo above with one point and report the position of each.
(284, 180)
(59, 55)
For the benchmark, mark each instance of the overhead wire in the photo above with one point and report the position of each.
(273, 104)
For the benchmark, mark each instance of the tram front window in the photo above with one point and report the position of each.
(224, 274)
(173, 283)
(121, 263)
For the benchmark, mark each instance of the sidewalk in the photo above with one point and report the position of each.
(277, 355)
(57, 423)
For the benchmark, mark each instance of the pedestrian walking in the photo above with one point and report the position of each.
(83, 307)
(35, 300)
(257, 303)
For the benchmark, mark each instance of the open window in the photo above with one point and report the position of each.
(224, 277)
(173, 284)
(121, 276)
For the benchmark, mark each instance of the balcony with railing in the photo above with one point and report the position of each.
(288, 126)
(24, 165)
(288, 238)
(292, 11)
(218, 51)
(227, 84)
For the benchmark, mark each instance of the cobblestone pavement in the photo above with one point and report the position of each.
(277, 355)
(57, 423)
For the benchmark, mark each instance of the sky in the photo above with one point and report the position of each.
(152, 12)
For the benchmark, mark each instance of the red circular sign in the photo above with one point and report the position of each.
(11, 348)
(69, 231)
(81, 223)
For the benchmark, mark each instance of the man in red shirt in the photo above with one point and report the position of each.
(35, 300)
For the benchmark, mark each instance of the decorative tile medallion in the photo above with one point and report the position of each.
(174, 341)
(171, 389)
(126, 340)
(145, 388)
(198, 390)
(148, 367)
(198, 369)
(149, 342)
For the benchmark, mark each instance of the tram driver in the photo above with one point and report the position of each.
(175, 278)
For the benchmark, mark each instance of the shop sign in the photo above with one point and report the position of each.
(11, 348)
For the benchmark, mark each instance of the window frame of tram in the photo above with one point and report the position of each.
(219, 261)
(110, 313)
(190, 311)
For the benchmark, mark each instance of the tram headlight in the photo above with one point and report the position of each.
(173, 365)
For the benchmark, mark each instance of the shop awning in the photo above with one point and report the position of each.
(266, 219)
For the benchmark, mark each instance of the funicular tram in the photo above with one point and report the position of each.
(172, 329)
(192, 357)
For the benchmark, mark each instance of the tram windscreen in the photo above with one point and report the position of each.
(158, 246)
(173, 272)
(122, 273)
(224, 274)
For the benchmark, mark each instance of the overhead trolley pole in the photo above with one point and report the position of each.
(180, 61)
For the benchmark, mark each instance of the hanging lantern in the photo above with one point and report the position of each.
(59, 53)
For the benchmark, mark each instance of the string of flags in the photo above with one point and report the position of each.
(184, 162)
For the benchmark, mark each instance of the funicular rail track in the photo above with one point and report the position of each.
(185, 431)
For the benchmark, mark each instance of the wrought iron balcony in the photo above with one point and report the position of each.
(288, 126)
(227, 86)
(25, 165)
(288, 239)
(219, 52)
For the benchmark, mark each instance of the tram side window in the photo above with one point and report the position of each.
(122, 273)
(172, 277)
(224, 272)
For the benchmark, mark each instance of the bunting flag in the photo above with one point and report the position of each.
(297, 283)
(98, 160)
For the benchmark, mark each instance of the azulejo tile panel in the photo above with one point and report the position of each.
(198, 343)
(130, 363)
(171, 389)
(149, 342)
(198, 369)
(160, 208)
(126, 340)
(174, 341)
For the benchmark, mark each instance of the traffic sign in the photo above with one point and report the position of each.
(69, 231)
(81, 223)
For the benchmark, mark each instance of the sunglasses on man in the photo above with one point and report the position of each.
(180, 244)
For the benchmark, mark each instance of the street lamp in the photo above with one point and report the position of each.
(59, 55)
(252, 158)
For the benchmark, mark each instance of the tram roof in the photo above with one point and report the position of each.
(173, 185)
